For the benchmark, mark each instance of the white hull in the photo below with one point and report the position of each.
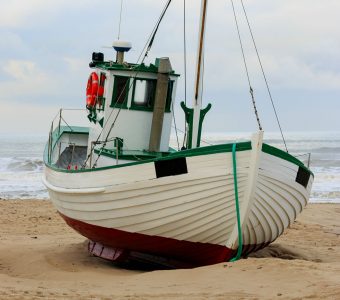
(197, 207)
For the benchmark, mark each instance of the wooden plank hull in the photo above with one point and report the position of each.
(190, 216)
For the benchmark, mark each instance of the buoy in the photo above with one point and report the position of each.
(92, 90)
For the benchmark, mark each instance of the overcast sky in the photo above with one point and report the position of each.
(45, 48)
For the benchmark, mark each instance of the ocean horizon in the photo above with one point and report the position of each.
(21, 160)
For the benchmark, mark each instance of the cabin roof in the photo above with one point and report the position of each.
(110, 65)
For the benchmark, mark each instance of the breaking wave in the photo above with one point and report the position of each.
(21, 164)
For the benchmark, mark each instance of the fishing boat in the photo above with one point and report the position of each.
(117, 181)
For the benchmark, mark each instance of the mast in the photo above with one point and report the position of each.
(197, 101)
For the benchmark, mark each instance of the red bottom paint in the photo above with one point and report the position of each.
(118, 245)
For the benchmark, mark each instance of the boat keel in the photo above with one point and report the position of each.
(134, 258)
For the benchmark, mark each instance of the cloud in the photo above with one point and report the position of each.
(11, 41)
(21, 70)
(28, 82)
(45, 48)
(26, 118)
(75, 64)
(25, 78)
(18, 13)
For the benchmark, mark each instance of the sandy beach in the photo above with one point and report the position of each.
(40, 257)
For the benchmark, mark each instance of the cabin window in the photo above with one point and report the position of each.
(120, 91)
(169, 96)
(144, 93)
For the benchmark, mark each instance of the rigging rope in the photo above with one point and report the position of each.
(146, 54)
(204, 141)
(251, 91)
(157, 26)
(151, 38)
(264, 75)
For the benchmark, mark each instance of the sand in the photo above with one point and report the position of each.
(40, 257)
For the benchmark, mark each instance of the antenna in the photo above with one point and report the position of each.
(120, 19)
(121, 47)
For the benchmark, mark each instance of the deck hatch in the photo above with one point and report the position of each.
(171, 167)
(302, 177)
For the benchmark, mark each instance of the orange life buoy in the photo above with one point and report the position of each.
(92, 89)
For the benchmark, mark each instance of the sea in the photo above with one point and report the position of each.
(21, 161)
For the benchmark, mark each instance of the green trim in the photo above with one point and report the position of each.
(189, 117)
(131, 155)
(92, 116)
(103, 100)
(115, 92)
(238, 214)
(147, 157)
(168, 102)
(203, 112)
(135, 106)
(213, 149)
(284, 155)
(157, 156)
(151, 156)
(109, 65)
(57, 134)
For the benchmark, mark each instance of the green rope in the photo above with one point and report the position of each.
(240, 241)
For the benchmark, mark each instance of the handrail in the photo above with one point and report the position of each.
(60, 118)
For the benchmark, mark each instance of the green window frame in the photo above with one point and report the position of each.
(168, 102)
(101, 103)
(148, 92)
(148, 104)
(120, 94)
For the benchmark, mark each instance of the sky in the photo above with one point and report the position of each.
(45, 48)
